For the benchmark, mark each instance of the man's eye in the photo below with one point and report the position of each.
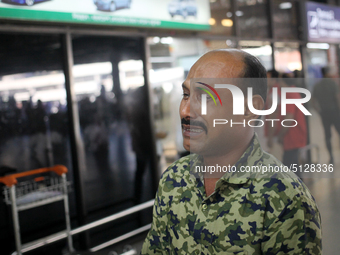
(185, 95)
(208, 97)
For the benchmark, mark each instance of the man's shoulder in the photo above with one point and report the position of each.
(285, 186)
(178, 169)
(282, 180)
(269, 159)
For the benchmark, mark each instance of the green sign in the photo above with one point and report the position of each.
(185, 14)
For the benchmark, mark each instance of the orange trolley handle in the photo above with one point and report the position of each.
(11, 180)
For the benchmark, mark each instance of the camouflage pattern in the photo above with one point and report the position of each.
(243, 215)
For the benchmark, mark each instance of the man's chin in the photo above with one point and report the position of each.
(194, 149)
(195, 146)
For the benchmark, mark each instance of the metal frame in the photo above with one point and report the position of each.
(26, 188)
(15, 220)
(64, 234)
(78, 154)
(146, 67)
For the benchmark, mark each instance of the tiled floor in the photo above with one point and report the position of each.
(327, 190)
(327, 195)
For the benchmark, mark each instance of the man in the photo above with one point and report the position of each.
(292, 138)
(222, 213)
(326, 101)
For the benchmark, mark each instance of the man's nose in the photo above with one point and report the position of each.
(184, 110)
(189, 109)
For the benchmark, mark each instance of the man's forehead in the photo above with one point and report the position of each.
(218, 66)
(209, 69)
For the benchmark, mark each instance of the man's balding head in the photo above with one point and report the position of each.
(234, 63)
(200, 134)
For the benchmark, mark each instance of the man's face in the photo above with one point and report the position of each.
(199, 134)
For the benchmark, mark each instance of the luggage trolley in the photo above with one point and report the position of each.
(34, 192)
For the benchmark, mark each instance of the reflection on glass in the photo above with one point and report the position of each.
(33, 108)
(91, 82)
(113, 114)
(131, 74)
(253, 19)
(285, 19)
(167, 94)
(33, 122)
(33, 111)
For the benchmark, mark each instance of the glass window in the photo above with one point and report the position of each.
(171, 60)
(114, 121)
(33, 123)
(160, 52)
(285, 19)
(253, 18)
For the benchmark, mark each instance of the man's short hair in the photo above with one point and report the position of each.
(254, 69)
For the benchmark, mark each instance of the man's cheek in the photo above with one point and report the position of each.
(219, 127)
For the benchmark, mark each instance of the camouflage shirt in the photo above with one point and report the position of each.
(244, 215)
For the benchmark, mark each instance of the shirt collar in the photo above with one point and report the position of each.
(252, 155)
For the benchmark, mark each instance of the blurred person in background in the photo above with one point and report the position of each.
(272, 130)
(325, 100)
(292, 138)
(38, 142)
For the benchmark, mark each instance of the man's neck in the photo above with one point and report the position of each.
(227, 159)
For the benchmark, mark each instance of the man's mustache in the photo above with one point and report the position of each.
(194, 123)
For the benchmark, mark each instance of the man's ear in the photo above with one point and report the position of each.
(258, 104)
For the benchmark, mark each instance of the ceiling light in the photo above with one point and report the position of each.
(156, 39)
(167, 40)
(239, 13)
(227, 22)
(285, 5)
(212, 21)
(229, 42)
(322, 46)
